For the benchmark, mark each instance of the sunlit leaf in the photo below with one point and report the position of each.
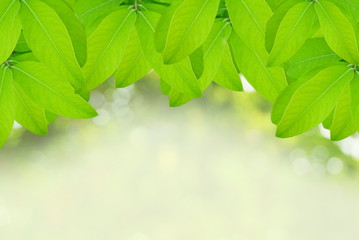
(6, 104)
(313, 101)
(49, 40)
(184, 27)
(339, 32)
(106, 47)
(48, 90)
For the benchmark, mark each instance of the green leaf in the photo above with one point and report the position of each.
(349, 6)
(283, 100)
(107, 46)
(74, 27)
(327, 123)
(343, 124)
(29, 114)
(269, 82)
(213, 49)
(315, 53)
(89, 11)
(179, 75)
(249, 19)
(339, 31)
(354, 85)
(184, 27)
(47, 89)
(312, 101)
(6, 104)
(50, 117)
(176, 98)
(49, 40)
(10, 27)
(293, 31)
(227, 75)
(274, 4)
(21, 45)
(276, 19)
(196, 59)
(134, 64)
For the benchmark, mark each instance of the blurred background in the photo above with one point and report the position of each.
(209, 170)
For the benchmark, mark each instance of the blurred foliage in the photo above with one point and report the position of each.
(247, 110)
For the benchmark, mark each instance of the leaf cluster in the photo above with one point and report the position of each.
(301, 55)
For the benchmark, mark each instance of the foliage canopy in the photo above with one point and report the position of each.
(301, 55)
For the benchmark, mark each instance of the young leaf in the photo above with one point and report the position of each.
(21, 45)
(350, 6)
(134, 64)
(283, 100)
(343, 124)
(6, 104)
(29, 114)
(181, 32)
(49, 40)
(179, 75)
(313, 101)
(354, 85)
(269, 82)
(89, 11)
(227, 75)
(276, 19)
(213, 49)
(339, 31)
(315, 53)
(10, 27)
(196, 59)
(293, 31)
(74, 27)
(106, 47)
(249, 19)
(274, 4)
(327, 123)
(48, 90)
(176, 98)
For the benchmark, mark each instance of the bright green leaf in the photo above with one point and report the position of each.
(6, 104)
(315, 53)
(269, 82)
(313, 101)
(339, 32)
(29, 114)
(134, 64)
(179, 75)
(293, 31)
(88, 11)
(227, 75)
(74, 27)
(48, 90)
(249, 19)
(49, 40)
(187, 25)
(213, 49)
(343, 124)
(107, 46)
(10, 27)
